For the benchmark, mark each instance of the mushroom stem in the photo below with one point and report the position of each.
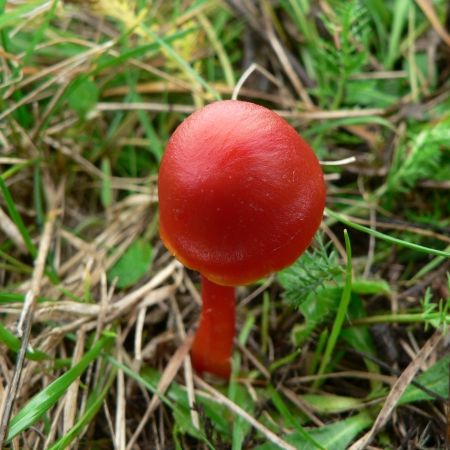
(213, 342)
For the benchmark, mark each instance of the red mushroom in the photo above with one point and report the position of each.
(241, 196)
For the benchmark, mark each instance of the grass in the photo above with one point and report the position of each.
(349, 346)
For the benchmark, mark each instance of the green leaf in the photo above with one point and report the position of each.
(184, 424)
(240, 426)
(10, 297)
(316, 310)
(84, 97)
(133, 264)
(291, 420)
(370, 287)
(360, 338)
(106, 189)
(435, 379)
(400, 12)
(45, 399)
(310, 273)
(419, 158)
(17, 218)
(336, 436)
(331, 404)
(341, 312)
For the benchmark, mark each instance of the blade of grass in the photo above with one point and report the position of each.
(46, 398)
(285, 360)
(184, 65)
(386, 237)
(17, 219)
(290, 419)
(435, 262)
(16, 168)
(39, 33)
(341, 313)
(13, 343)
(240, 426)
(175, 408)
(317, 355)
(9, 297)
(18, 13)
(106, 189)
(401, 8)
(37, 194)
(265, 323)
(219, 49)
(20, 266)
(95, 402)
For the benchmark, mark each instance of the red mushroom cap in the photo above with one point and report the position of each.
(241, 193)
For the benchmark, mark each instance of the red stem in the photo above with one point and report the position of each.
(213, 342)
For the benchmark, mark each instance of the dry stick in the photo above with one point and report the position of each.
(188, 372)
(188, 109)
(270, 279)
(71, 399)
(26, 318)
(166, 379)
(120, 422)
(428, 9)
(287, 66)
(48, 110)
(220, 398)
(139, 328)
(397, 390)
(11, 230)
(253, 68)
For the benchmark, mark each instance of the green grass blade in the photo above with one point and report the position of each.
(342, 310)
(237, 394)
(18, 13)
(38, 35)
(137, 377)
(386, 237)
(219, 49)
(174, 406)
(106, 193)
(401, 8)
(184, 65)
(13, 343)
(38, 194)
(16, 168)
(18, 265)
(95, 402)
(43, 401)
(10, 297)
(290, 419)
(17, 219)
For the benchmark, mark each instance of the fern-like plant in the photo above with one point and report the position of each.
(311, 272)
(343, 55)
(419, 158)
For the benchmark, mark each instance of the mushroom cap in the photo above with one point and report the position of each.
(241, 194)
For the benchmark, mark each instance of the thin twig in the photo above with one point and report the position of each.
(250, 69)
(188, 371)
(166, 379)
(397, 390)
(272, 437)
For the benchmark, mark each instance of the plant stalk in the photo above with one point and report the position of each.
(213, 343)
